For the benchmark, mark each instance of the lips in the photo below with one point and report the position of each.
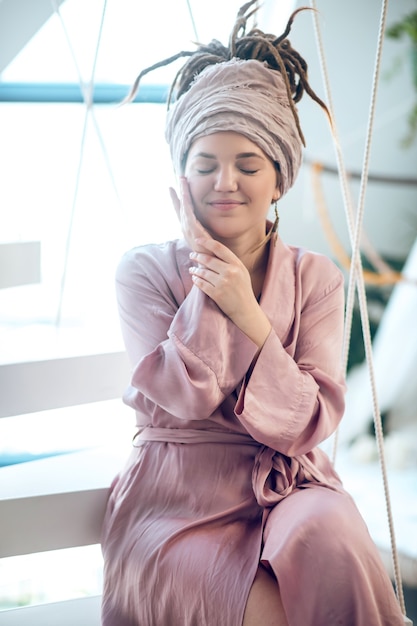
(225, 204)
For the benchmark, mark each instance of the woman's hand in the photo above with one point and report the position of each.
(191, 228)
(219, 273)
(224, 278)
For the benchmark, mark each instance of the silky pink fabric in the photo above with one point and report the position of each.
(225, 471)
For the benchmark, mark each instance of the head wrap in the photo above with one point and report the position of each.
(244, 96)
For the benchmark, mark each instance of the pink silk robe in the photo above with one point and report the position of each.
(225, 472)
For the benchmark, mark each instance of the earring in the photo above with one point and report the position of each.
(276, 222)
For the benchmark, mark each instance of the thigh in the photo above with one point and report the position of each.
(315, 514)
(314, 526)
(328, 568)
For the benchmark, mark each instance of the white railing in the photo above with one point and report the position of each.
(57, 502)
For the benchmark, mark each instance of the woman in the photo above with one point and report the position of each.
(227, 513)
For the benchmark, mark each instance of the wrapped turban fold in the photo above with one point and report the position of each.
(246, 97)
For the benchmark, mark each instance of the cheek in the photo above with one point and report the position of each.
(198, 188)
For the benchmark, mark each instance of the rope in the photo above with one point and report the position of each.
(347, 199)
(370, 252)
(356, 274)
(87, 92)
(190, 13)
(385, 276)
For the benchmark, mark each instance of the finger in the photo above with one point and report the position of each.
(189, 229)
(201, 276)
(203, 285)
(175, 202)
(209, 261)
(196, 228)
(187, 200)
(217, 249)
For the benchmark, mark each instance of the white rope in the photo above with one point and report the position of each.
(193, 24)
(356, 274)
(347, 199)
(87, 93)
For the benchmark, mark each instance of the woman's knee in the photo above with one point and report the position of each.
(318, 526)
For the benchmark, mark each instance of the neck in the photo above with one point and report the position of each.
(256, 259)
(254, 256)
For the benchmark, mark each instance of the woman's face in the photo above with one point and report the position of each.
(232, 184)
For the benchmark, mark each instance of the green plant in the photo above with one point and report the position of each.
(407, 27)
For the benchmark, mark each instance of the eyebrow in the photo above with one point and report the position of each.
(241, 155)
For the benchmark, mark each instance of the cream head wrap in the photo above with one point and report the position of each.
(244, 96)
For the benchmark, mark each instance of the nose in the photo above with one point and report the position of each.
(225, 179)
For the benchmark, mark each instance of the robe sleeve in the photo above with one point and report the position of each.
(187, 355)
(294, 398)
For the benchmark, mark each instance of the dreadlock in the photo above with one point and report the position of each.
(276, 52)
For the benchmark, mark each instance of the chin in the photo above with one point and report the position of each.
(223, 233)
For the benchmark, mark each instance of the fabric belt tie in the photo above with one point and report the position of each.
(274, 475)
(189, 435)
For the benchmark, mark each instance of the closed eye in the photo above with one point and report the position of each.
(245, 170)
(205, 171)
